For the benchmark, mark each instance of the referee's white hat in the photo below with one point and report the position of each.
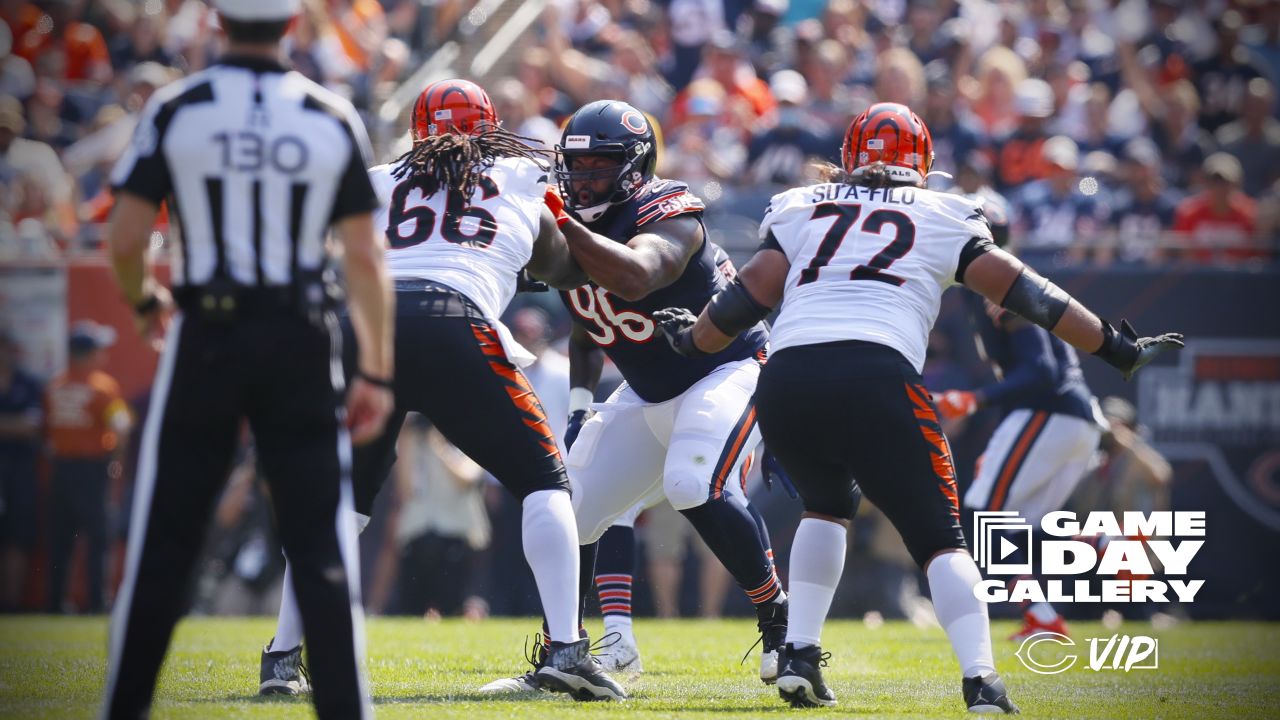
(258, 10)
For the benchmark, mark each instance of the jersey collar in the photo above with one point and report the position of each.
(254, 64)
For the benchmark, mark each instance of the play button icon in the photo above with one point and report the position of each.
(1006, 548)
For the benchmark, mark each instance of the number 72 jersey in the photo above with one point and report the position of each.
(867, 263)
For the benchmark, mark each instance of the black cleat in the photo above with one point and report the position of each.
(528, 682)
(800, 677)
(986, 694)
(282, 672)
(571, 668)
(771, 618)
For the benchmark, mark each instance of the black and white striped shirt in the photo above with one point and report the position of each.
(256, 162)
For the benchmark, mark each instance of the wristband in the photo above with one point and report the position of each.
(380, 382)
(147, 305)
(580, 398)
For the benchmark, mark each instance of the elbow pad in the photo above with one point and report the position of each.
(733, 310)
(1036, 299)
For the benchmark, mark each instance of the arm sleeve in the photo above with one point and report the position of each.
(972, 250)
(1032, 372)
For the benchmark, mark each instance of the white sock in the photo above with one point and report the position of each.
(550, 535)
(1043, 612)
(289, 621)
(817, 561)
(952, 577)
(618, 624)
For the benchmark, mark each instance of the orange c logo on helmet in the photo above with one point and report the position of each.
(634, 121)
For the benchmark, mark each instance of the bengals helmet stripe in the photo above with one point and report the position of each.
(455, 105)
(889, 133)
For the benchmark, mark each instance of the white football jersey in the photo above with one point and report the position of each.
(476, 250)
(867, 263)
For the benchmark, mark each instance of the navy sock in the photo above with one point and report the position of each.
(586, 574)
(764, 531)
(732, 534)
(615, 565)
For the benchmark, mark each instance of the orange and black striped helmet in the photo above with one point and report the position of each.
(889, 133)
(454, 105)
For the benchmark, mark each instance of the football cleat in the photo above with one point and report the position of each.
(526, 683)
(800, 679)
(621, 655)
(986, 694)
(282, 672)
(571, 668)
(1032, 625)
(772, 621)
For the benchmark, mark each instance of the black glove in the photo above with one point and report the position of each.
(526, 283)
(771, 469)
(573, 427)
(1127, 352)
(676, 325)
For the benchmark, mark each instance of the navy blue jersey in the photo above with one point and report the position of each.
(24, 397)
(1037, 370)
(625, 331)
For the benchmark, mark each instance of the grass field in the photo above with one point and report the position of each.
(53, 668)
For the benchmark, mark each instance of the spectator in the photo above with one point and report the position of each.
(991, 101)
(44, 184)
(144, 42)
(1254, 139)
(87, 417)
(900, 77)
(1221, 79)
(1059, 212)
(952, 141)
(831, 101)
(1142, 209)
(442, 523)
(1218, 223)
(778, 155)
(519, 112)
(59, 31)
(21, 414)
(17, 79)
(1096, 131)
(766, 38)
(1019, 157)
(705, 147)
(745, 94)
(1185, 143)
(667, 535)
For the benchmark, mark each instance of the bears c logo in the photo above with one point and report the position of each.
(635, 122)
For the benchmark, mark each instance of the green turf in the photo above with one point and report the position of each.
(53, 668)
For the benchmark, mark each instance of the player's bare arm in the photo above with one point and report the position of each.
(748, 300)
(651, 260)
(1006, 281)
(551, 261)
(127, 237)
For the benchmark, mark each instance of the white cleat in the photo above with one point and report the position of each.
(769, 667)
(622, 656)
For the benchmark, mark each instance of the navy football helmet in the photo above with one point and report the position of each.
(610, 129)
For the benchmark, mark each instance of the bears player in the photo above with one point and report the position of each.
(1047, 440)
(678, 424)
(465, 214)
(859, 264)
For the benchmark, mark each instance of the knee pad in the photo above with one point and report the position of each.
(685, 489)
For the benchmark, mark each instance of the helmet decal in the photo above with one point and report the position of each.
(634, 121)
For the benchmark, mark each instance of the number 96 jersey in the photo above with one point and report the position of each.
(867, 263)
(476, 248)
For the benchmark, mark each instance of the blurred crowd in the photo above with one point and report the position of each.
(1130, 130)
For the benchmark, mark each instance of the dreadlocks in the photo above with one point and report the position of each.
(453, 160)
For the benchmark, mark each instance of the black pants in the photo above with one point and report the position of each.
(848, 418)
(450, 367)
(78, 504)
(435, 572)
(283, 374)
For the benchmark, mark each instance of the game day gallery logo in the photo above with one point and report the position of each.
(1114, 559)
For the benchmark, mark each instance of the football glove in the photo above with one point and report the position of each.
(956, 403)
(573, 427)
(771, 469)
(676, 325)
(526, 283)
(555, 204)
(1127, 352)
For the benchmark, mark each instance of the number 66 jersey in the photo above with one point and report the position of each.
(868, 263)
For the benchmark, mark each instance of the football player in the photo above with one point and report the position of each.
(465, 213)
(683, 425)
(1047, 439)
(859, 264)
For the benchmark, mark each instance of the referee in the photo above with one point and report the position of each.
(256, 163)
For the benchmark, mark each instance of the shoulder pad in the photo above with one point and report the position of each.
(663, 199)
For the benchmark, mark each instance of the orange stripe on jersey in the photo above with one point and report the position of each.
(1017, 456)
(746, 468)
(517, 387)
